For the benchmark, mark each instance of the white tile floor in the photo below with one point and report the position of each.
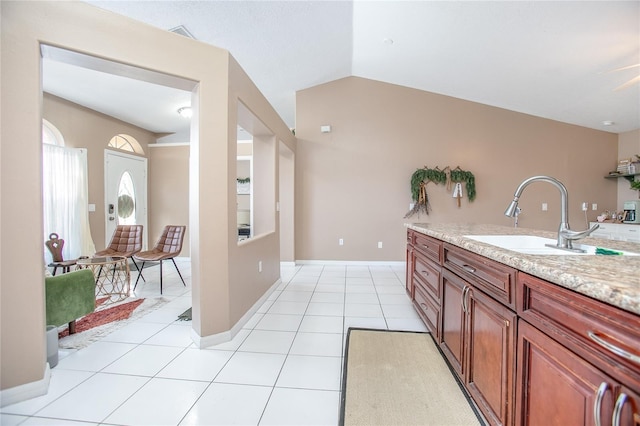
(283, 368)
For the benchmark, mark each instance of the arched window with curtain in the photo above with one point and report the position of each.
(65, 192)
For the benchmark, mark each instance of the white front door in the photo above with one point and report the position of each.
(125, 192)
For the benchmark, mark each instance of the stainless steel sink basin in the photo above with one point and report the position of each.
(531, 244)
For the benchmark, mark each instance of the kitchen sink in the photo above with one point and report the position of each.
(531, 244)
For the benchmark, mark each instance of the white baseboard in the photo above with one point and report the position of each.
(27, 391)
(351, 262)
(288, 264)
(226, 336)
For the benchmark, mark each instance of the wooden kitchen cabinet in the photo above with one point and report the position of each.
(592, 345)
(453, 321)
(479, 341)
(529, 352)
(409, 269)
(423, 271)
(628, 408)
(491, 354)
(555, 386)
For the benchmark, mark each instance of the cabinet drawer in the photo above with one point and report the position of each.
(495, 279)
(428, 275)
(430, 247)
(630, 233)
(428, 310)
(605, 335)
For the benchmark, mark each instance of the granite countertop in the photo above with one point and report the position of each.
(611, 279)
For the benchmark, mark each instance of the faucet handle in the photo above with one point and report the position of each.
(577, 235)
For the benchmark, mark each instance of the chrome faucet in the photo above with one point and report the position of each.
(565, 235)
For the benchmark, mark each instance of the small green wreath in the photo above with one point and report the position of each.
(243, 180)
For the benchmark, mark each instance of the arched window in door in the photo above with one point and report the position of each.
(126, 200)
(126, 143)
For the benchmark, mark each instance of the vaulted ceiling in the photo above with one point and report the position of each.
(552, 59)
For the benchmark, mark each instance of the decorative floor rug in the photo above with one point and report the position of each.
(400, 378)
(106, 320)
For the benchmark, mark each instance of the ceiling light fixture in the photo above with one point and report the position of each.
(608, 123)
(185, 112)
(388, 41)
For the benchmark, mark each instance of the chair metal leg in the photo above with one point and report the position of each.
(174, 264)
(161, 277)
(138, 269)
(139, 273)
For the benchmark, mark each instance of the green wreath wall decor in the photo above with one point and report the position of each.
(243, 180)
(421, 177)
(459, 175)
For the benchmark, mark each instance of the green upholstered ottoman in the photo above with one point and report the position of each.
(69, 296)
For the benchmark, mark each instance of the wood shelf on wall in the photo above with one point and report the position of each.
(629, 177)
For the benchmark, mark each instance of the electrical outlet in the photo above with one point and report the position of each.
(411, 206)
(260, 266)
(379, 244)
(340, 242)
(585, 206)
(545, 207)
(594, 207)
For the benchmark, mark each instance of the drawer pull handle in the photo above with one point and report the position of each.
(617, 410)
(425, 272)
(613, 348)
(469, 268)
(597, 405)
(423, 306)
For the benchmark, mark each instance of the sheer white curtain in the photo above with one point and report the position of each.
(66, 200)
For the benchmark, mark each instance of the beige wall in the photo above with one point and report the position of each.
(221, 290)
(168, 201)
(628, 147)
(353, 183)
(286, 185)
(86, 128)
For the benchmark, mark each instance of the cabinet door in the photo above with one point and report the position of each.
(557, 387)
(491, 348)
(409, 271)
(627, 409)
(453, 321)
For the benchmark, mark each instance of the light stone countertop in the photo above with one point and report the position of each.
(611, 279)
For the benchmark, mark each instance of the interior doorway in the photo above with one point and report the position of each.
(125, 192)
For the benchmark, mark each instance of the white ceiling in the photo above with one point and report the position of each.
(549, 59)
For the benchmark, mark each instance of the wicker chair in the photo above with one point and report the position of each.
(169, 245)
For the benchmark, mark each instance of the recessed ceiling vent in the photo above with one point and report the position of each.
(182, 31)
